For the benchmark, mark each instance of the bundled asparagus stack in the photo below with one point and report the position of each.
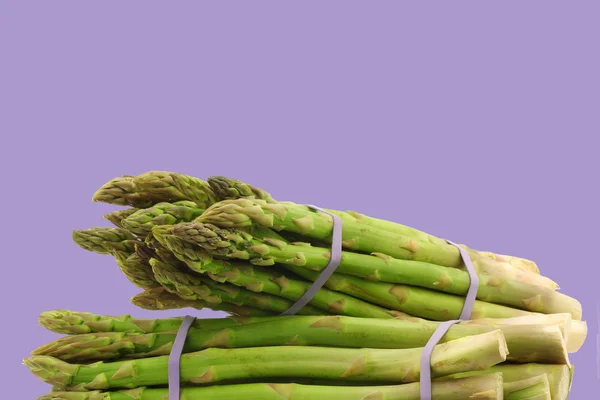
(229, 246)
(308, 357)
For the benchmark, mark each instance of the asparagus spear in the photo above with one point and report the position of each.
(153, 187)
(534, 388)
(142, 221)
(125, 247)
(408, 231)
(121, 191)
(259, 280)
(295, 218)
(573, 331)
(559, 376)
(193, 287)
(136, 270)
(484, 387)
(526, 343)
(75, 322)
(227, 189)
(411, 300)
(518, 262)
(235, 243)
(105, 240)
(117, 216)
(220, 365)
(160, 299)
(406, 299)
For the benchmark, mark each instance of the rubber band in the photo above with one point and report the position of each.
(443, 327)
(334, 262)
(473, 286)
(175, 357)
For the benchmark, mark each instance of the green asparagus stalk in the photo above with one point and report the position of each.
(69, 322)
(116, 217)
(428, 304)
(484, 387)
(136, 270)
(194, 287)
(142, 191)
(267, 281)
(559, 376)
(221, 365)
(121, 191)
(534, 388)
(526, 343)
(411, 300)
(573, 331)
(160, 299)
(517, 262)
(406, 299)
(74, 322)
(105, 240)
(408, 231)
(142, 221)
(242, 213)
(229, 189)
(122, 245)
(235, 243)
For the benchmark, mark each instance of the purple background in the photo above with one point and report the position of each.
(471, 121)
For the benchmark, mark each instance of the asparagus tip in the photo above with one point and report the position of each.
(51, 370)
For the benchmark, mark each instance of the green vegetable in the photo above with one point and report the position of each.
(105, 240)
(534, 388)
(227, 188)
(154, 187)
(197, 287)
(159, 299)
(408, 231)
(121, 191)
(559, 376)
(142, 221)
(75, 322)
(221, 365)
(117, 216)
(484, 387)
(526, 343)
(235, 243)
(266, 281)
(291, 217)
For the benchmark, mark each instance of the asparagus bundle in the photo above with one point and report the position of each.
(378, 267)
(213, 365)
(263, 351)
(526, 343)
(230, 246)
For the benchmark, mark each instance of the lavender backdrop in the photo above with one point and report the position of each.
(476, 122)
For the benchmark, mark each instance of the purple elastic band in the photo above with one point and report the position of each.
(175, 357)
(443, 327)
(334, 262)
